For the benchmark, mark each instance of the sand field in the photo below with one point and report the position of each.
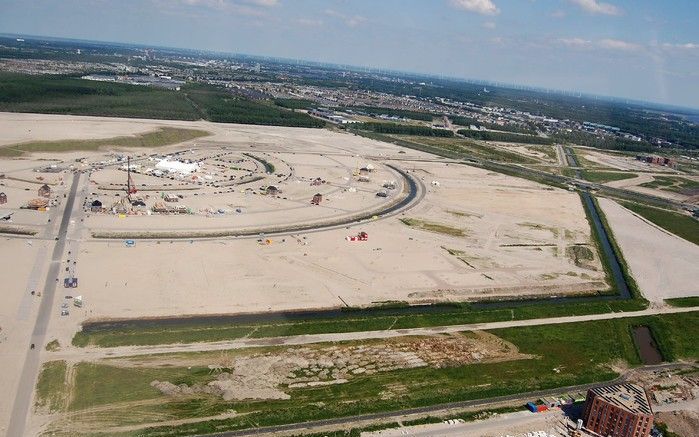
(664, 265)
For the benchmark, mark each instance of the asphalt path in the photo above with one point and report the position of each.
(32, 360)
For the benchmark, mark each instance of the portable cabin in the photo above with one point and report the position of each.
(44, 191)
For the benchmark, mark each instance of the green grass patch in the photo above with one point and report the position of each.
(601, 177)
(269, 167)
(674, 184)
(562, 356)
(549, 151)
(53, 346)
(681, 225)
(464, 148)
(504, 137)
(101, 384)
(50, 389)
(579, 254)
(683, 302)
(433, 227)
(164, 136)
(353, 321)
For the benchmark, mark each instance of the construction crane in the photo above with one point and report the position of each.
(130, 187)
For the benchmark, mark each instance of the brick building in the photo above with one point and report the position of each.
(621, 410)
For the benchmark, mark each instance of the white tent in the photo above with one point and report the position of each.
(177, 166)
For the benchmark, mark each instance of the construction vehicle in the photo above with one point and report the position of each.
(362, 236)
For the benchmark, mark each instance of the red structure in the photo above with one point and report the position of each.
(362, 236)
(621, 410)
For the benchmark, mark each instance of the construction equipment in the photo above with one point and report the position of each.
(362, 236)
(130, 187)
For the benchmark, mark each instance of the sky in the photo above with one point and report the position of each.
(639, 49)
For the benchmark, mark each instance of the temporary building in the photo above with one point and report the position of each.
(44, 191)
(177, 166)
(317, 198)
(3, 198)
(37, 203)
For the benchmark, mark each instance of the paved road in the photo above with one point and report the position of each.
(94, 353)
(478, 428)
(32, 361)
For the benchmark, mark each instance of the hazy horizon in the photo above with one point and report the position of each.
(638, 51)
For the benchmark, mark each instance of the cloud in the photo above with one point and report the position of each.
(349, 20)
(575, 42)
(263, 3)
(606, 44)
(489, 25)
(241, 7)
(484, 7)
(309, 22)
(558, 14)
(685, 46)
(617, 44)
(597, 7)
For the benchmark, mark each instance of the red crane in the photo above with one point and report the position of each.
(130, 187)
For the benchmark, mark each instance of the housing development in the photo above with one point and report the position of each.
(202, 244)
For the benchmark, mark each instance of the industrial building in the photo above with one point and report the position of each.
(621, 410)
(657, 160)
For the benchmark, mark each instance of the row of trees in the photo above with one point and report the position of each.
(405, 129)
(504, 137)
(606, 142)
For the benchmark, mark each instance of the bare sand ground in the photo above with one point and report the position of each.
(516, 239)
(20, 128)
(517, 235)
(663, 264)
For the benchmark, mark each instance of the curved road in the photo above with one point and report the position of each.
(415, 194)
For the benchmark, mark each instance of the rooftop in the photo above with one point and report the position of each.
(629, 397)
